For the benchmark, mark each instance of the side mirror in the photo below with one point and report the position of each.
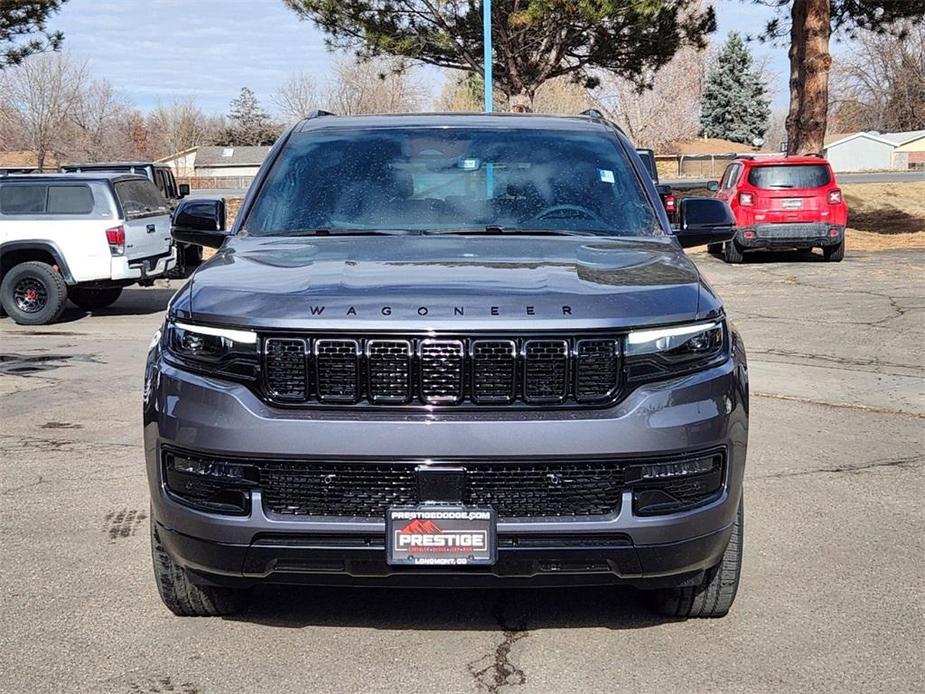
(200, 221)
(183, 188)
(713, 186)
(704, 220)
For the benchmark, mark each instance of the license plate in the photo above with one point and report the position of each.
(792, 204)
(440, 535)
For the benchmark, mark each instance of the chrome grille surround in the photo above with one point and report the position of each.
(435, 372)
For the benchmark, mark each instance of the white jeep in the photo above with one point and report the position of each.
(81, 237)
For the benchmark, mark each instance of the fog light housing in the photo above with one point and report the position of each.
(675, 485)
(210, 485)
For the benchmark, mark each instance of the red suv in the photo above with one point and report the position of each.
(784, 202)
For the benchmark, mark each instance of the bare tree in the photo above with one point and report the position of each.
(880, 84)
(375, 86)
(102, 120)
(179, 125)
(297, 97)
(41, 95)
(667, 112)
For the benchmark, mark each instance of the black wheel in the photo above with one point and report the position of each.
(834, 254)
(716, 593)
(732, 253)
(183, 597)
(33, 293)
(92, 299)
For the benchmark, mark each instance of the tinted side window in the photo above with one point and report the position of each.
(729, 177)
(22, 198)
(69, 200)
(140, 198)
(789, 176)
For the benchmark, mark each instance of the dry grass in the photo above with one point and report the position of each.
(886, 208)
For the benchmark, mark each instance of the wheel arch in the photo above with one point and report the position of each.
(13, 253)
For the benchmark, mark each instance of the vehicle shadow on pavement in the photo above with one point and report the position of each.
(133, 302)
(522, 609)
(763, 257)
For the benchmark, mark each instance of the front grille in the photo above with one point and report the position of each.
(441, 372)
(513, 489)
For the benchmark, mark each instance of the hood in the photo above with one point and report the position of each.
(446, 283)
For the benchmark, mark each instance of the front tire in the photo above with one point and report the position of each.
(717, 591)
(183, 597)
(834, 254)
(92, 299)
(732, 253)
(33, 293)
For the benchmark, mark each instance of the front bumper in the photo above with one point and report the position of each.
(790, 235)
(700, 411)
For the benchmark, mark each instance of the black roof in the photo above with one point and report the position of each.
(71, 177)
(110, 164)
(514, 121)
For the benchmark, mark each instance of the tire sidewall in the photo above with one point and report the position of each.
(55, 289)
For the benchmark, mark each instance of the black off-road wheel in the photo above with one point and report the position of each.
(716, 592)
(183, 597)
(732, 253)
(33, 293)
(834, 254)
(92, 299)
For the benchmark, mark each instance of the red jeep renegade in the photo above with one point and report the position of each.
(784, 202)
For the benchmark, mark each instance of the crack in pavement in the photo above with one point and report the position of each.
(911, 461)
(837, 405)
(21, 487)
(10, 442)
(500, 671)
(831, 359)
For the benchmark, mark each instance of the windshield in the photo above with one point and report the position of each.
(790, 176)
(451, 179)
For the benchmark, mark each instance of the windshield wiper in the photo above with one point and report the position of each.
(325, 231)
(498, 229)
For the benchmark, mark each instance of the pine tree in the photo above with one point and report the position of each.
(248, 123)
(735, 104)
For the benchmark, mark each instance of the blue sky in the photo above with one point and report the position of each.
(162, 49)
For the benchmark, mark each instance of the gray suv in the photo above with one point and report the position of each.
(452, 350)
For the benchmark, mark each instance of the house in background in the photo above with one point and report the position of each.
(216, 167)
(871, 151)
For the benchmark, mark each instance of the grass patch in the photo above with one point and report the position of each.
(886, 208)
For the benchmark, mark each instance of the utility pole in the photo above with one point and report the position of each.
(486, 57)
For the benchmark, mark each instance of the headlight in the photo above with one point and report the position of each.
(211, 349)
(675, 350)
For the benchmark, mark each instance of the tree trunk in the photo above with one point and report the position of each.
(522, 101)
(811, 27)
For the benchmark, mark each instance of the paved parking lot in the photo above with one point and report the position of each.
(834, 577)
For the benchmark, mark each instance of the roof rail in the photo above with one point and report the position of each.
(318, 113)
(593, 113)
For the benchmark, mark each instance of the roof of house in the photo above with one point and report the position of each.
(213, 155)
(892, 139)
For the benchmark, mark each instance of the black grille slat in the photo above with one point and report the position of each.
(597, 369)
(337, 370)
(546, 370)
(388, 365)
(494, 371)
(441, 371)
(287, 376)
(515, 489)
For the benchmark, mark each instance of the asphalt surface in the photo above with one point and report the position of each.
(831, 598)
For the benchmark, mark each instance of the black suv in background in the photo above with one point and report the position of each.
(448, 350)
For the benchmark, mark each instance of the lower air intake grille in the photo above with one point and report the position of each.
(515, 490)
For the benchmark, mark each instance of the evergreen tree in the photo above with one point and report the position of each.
(248, 124)
(735, 104)
(23, 29)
